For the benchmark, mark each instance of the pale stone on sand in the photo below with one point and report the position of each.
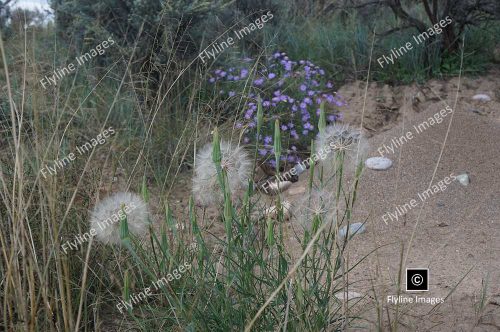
(481, 97)
(272, 212)
(349, 295)
(378, 163)
(463, 179)
(354, 228)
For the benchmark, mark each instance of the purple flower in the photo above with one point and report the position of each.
(222, 74)
(258, 81)
(318, 111)
(211, 80)
(217, 71)
(284, 127)
(280, 83)
(230, 77)
(247, 59)
(294, 134)
(331, 118)
(294, 108)
(329, 85)
(290, 125)
(248, 114)
(232, 93)
(321, 72)
(236, 78)
(306, 117)
(307, 100)
(305, 132)
(303, 105)
(231, 69)
(246, 140)
(268, 140)
(290, 100)
(302, 62)
(308, 126)
(276, 99)
(288, 66)
(303, 87)
(310, 93)
(251, 124)
(294, 148)
(277, 55)
(266, 103)
(272, 162)
(271, 76)
(277, 93)
(243, 73)
(262, 152)
(307, 69)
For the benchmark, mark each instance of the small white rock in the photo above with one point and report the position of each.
(481, 97)
(463, 179)
(378, 163)
(272, 212)
(350, 295)
(354, 229)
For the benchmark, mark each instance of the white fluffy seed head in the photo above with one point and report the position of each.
(236, 163)
(337, 136)
(319, 203)
(105, 218)
(342, 137)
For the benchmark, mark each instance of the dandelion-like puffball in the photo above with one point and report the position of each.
(338, 137)
(106, 216)
(236, 163)
(319, 203)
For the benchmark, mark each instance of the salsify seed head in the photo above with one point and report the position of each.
(106, 216)
(234, 161)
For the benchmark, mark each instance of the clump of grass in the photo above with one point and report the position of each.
(239, 280)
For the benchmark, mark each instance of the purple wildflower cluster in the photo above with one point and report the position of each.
(291, 91)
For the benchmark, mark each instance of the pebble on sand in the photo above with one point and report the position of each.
(482, 97)
(350, 295)
(463, 179)
(272, 212)
(355, 228)
(378, 163)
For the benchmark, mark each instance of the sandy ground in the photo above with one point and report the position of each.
(455, 233)
(456, 230)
